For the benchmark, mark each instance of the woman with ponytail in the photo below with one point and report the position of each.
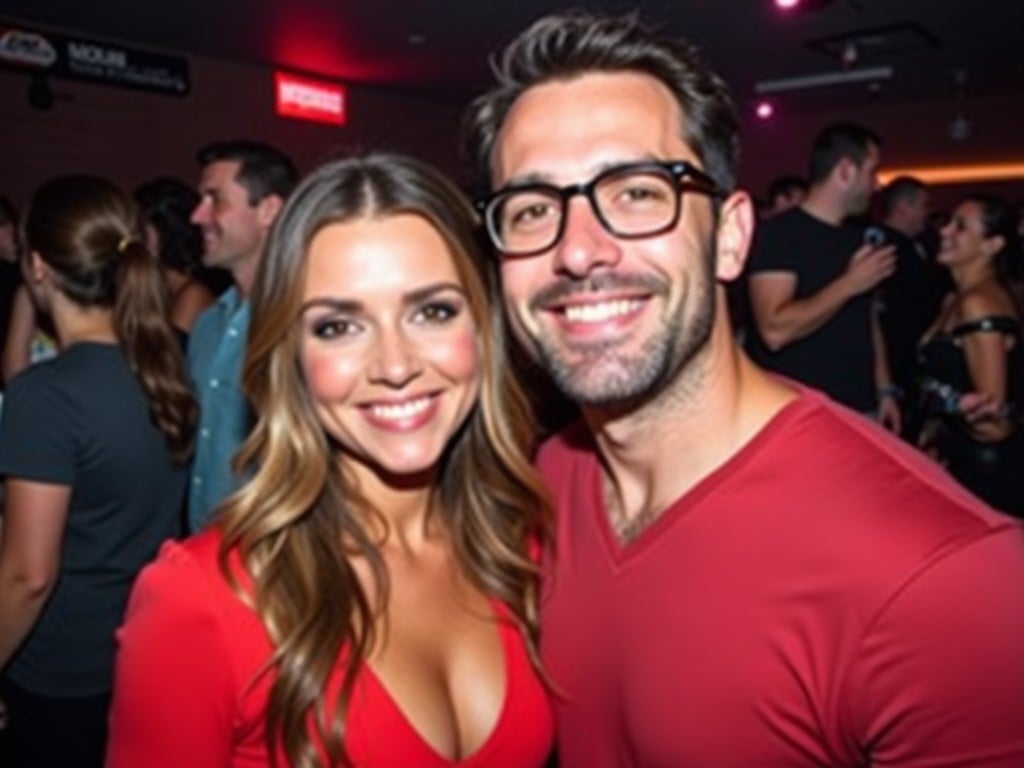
(369, 597)
(93, 446)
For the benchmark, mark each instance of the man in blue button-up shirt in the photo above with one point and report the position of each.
(242, 186)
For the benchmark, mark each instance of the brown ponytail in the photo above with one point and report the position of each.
(84, 228)
(147, 339)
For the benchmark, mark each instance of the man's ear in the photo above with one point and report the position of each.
(845, 170)
(736, 220)
(267, 210)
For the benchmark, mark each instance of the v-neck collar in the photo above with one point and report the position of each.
(477, 757)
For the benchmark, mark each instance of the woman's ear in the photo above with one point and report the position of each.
(994, 244)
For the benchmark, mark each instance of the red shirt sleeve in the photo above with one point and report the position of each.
(940, 681)
(173, 691)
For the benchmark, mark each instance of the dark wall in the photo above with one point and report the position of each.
(913, 134)
(131, 136)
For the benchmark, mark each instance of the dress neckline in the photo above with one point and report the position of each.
(500, 615)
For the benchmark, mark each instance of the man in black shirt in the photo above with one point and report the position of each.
(911, 297)
(812, 279)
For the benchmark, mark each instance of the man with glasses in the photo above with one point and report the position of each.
(744, 573)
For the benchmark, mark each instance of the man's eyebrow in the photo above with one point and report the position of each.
(530, 178)
(541, 177)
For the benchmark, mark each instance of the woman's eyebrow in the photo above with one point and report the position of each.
(354, 306)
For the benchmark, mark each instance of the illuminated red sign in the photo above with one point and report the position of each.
(306, 99)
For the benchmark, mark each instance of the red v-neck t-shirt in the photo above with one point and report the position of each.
(827, 597)
(190, 649)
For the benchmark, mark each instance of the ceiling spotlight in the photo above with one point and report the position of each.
(764, 110)
(849, 55)
(960, 128)
(787, 4)
(960, 125)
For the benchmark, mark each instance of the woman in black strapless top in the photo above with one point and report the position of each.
(975, 347)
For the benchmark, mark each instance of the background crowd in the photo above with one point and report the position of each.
(299, 402)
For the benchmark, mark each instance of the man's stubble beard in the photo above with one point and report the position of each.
(599, 376)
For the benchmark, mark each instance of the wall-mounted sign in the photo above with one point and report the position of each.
(78, 57)
(307, 99)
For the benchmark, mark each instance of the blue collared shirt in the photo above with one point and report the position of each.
(216, 353)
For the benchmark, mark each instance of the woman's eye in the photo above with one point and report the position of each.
(437, 312)
(333, 328)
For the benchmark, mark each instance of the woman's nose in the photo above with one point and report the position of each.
(396, 359)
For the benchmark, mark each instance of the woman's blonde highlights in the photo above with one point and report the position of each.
(298, 519)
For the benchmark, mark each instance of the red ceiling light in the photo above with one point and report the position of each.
(787, 4)
(306, 99)
(764, 110)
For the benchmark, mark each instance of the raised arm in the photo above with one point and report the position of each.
(782, 318)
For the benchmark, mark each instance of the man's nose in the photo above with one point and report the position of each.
(201, 213)
(585, 244)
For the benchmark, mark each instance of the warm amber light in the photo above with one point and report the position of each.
(956, 174)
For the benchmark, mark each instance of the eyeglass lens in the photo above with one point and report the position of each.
(632, 202)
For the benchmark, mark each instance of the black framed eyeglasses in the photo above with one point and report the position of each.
(631, 201)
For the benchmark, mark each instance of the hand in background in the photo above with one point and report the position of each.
(977, 406)
(869, 266)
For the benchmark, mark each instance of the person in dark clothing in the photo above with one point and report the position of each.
(93, 449)
(166, 205)
(974, 350)
(10, 270)
(911, 297)
(784, 192)
(812, 280)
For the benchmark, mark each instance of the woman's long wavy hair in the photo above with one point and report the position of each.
(86, 230)
(298, 520)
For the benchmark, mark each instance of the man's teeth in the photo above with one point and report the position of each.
(595, 313)
(401, 411)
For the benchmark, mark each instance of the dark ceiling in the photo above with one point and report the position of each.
(441, 48)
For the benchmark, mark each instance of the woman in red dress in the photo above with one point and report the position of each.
(369, 597)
